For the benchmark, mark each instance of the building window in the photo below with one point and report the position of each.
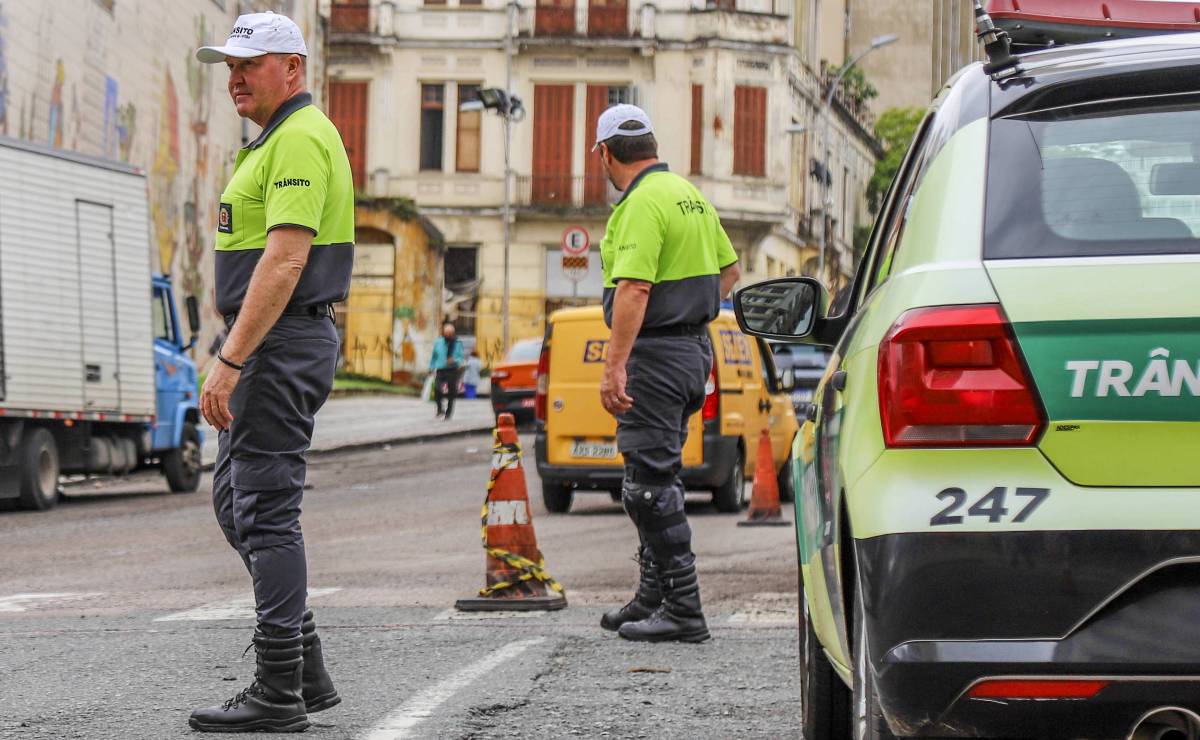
(348, 111)
(697, 128)
(467, 151)
(470, 2)
(435, 2)
(462, 279)
(433, 105)
(750, 131)
(722, 4)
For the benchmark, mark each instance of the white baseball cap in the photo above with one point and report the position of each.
(612, 119)
(255, 34)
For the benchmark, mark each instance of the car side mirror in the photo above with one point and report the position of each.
(785, 309)
(193, 313)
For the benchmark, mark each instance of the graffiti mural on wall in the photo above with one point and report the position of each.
(56, 105)
(3, 74)
(200, 92)
(164, 175)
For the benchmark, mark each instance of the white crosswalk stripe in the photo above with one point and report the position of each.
(239, 608)
(21, 602)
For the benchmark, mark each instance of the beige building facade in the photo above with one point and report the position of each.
(735, 109)
(118, 79)
(937, 38)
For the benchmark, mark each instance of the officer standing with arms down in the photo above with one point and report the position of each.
(667, 264)
(284, 251)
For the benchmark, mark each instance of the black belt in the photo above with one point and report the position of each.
(675, 330)
(313, 311)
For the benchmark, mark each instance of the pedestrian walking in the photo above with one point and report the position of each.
(472, 375)
(445, 363)
(284, 251)
(667, 264)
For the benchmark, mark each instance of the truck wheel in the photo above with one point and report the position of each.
(183, 466)
(786, 491)
(557, 497)
(824, 699)
(730, 496)
(39, 471)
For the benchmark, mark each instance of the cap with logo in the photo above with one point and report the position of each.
(612, 119)
(255, 34)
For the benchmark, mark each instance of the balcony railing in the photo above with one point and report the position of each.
(564, 191)
(350, 18)
(608, 21)
(554, 21)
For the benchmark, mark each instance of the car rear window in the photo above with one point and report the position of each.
(1118, 178)
(527, 351)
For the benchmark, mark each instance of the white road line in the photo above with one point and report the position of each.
(241, 608)
(416, 710)
(18, 602)
(454, 615)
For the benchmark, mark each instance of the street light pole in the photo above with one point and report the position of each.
(827, 174)
(506, 209)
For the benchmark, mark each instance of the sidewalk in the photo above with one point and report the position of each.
(363, 420)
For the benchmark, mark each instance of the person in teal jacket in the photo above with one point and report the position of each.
(445, 363)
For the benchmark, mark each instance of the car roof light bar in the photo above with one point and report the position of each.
(997, 46)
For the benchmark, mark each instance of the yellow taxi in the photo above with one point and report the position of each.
(576, 443)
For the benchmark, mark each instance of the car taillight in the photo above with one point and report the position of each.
(1028, 688)
(712, 396)
(543, 384)
(954, 376)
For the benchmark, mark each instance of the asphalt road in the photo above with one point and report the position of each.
(124, 608)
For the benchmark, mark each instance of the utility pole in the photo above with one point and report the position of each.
(506, 209)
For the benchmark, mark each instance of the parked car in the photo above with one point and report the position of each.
(997, 490)
(514, 381)
(576, 445)
(800, 368)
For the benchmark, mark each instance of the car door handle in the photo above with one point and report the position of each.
(764, 406)
(838, 381)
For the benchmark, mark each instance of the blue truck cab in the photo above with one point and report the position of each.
(176, 437)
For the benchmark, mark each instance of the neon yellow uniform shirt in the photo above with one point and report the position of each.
(295, 173)
(664, 232)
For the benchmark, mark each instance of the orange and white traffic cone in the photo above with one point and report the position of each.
(515, 575)
(764, 503)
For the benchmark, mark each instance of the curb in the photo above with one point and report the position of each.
(366, 445)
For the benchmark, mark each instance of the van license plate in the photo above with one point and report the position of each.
(596, 450)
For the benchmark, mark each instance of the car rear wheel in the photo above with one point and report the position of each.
(730, 496)
(867, 720)
(39, 471)
(824, 699)
(557, 497)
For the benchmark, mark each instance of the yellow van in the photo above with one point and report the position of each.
(576, 445)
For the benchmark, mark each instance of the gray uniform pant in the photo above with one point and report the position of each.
(258, 481)
(666, 378)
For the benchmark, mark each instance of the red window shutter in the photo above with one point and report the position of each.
(553, 122)
(749, 131)
(594, 180)
(348, 111)
(697, 128)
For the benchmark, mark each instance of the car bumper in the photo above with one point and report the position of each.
(720, 455)
(516, 402)
(946, 612)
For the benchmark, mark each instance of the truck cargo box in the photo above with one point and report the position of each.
(75, 314)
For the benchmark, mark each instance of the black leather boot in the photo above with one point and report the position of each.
(644, 602)
(679, 618)
(319, 693)
(273, 702)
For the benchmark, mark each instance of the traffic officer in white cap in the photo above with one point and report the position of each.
(667, 264)
(284, 250)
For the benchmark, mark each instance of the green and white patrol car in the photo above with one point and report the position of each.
(998, 507)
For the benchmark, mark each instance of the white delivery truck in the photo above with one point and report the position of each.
(94, 373)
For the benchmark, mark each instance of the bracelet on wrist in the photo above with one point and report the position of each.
(226, 361)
